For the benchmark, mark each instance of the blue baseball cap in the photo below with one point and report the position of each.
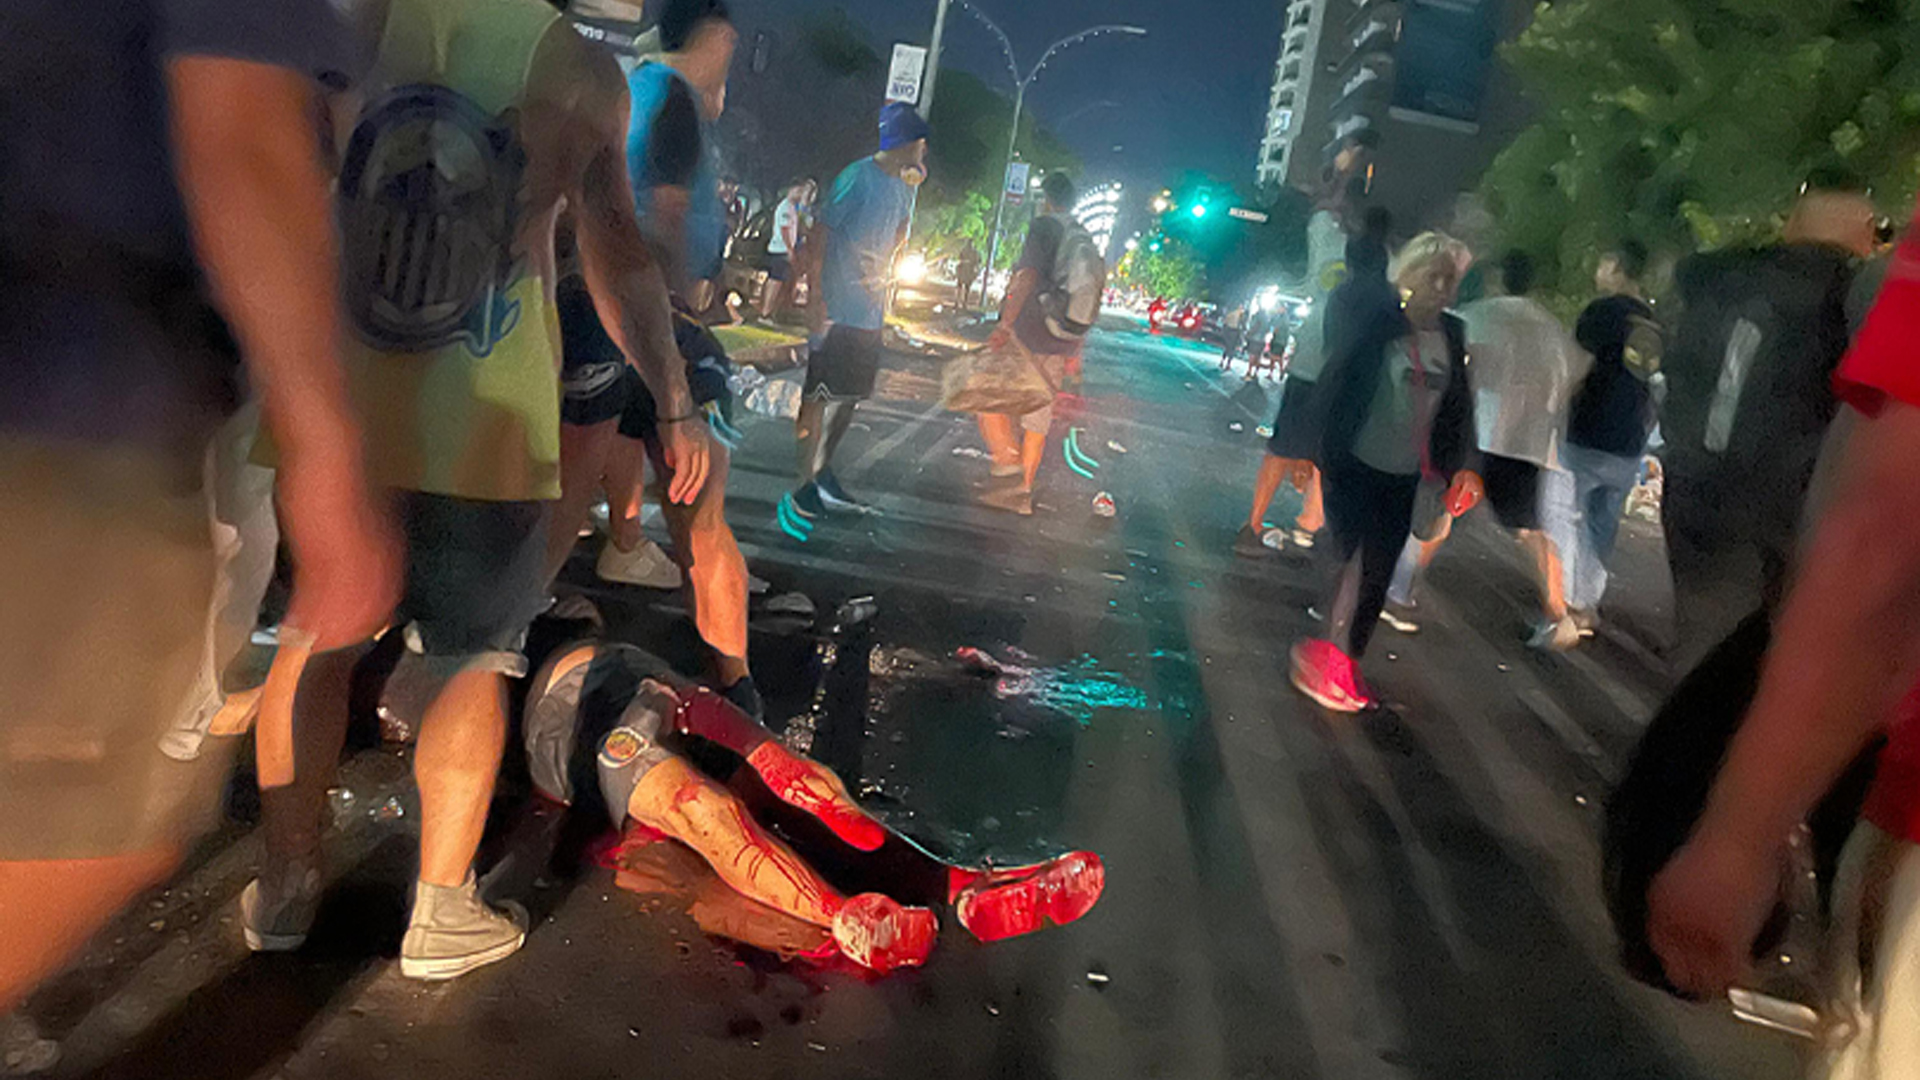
(900, 124)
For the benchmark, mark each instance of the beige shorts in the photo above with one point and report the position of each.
(106, 573)
(1874, 961)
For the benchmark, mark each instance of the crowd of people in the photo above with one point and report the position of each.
(414, 310)
(433, 294)
(1779, 394)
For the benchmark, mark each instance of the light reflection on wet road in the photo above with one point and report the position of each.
(1409, 894)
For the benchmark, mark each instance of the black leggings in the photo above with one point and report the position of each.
(1370, 512)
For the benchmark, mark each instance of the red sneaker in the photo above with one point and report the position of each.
(1325, 675)
(1008, 903)
(881, 934)
(1356, 688)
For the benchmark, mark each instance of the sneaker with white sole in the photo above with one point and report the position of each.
(452, 932)
(1555, 635)
(647, 566)
(1400, 617)
(277, 908)
(1301, 538)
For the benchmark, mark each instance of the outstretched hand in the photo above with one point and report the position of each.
(808, 785)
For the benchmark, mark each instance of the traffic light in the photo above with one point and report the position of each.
(1199, 210)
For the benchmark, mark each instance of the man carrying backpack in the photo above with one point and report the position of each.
(1051, 303)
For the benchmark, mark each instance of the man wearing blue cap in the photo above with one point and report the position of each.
(861, 226)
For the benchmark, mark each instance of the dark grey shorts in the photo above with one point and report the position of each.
(845, 366)
(476, 577)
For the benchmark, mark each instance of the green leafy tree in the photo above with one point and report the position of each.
(1174, 271)
(1691, 123)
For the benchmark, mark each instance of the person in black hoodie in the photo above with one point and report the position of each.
(1749, 398)
(1399, 411)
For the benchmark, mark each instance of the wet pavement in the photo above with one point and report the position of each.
(1411, 893)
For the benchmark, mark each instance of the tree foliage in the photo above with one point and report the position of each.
(1175, 271)
(1691, 123)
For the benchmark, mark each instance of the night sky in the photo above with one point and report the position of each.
(1190, 95)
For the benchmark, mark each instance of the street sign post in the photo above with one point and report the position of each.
(1245, 214)
(1019, 174)
(904, 76)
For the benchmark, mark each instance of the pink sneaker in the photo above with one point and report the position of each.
(1348, 674)
(1325, 675)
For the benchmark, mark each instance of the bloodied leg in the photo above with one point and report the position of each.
(780, 793)
(641, 780)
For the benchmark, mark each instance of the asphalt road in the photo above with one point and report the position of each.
(1410, 893)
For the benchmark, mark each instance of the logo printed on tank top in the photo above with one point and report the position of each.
(430, 208)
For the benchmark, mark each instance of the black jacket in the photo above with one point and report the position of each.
(1353, 375)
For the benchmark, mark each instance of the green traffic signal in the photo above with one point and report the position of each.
(1199, 210)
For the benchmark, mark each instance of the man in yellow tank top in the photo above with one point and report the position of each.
(476, 121)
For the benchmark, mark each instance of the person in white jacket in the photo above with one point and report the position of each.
(1525, 368)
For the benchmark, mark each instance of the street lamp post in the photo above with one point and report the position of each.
(1020, 84)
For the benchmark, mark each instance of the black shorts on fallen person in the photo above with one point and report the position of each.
(475, 579)
(1298, 423)
(778, 267)
(845, 366)
(1513, 490)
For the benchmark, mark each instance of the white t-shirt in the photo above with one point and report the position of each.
(1326, 269)
(786, 217)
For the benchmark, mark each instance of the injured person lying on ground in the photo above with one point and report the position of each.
(609, 726)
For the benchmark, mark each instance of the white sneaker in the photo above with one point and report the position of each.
(1275, 539)
(452, 931)
(1399, 620)
(277, 908)
(1555, 636)
(1302, 539)
(646, 566)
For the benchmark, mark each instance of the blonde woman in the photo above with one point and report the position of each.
(1399, 410)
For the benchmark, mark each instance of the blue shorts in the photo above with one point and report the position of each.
(778, 267)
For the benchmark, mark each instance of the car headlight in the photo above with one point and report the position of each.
(912, 269)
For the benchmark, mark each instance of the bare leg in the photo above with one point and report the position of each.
(770, 298)
(626, 475)
(584, 453)
(455, 765)
(1033, 449)
(1313, 514)
(678, 801)
(716, 571)
(1272, 471)
(49, 908)
(810, 437)
(997, 432)
(1553, 583)
(302, 725)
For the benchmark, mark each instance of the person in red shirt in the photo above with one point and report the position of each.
(1842, 668)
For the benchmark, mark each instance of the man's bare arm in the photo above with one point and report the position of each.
(1844, 649)
(1019, 291)
(1846, 643)
(257, 198)
(629, 290)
